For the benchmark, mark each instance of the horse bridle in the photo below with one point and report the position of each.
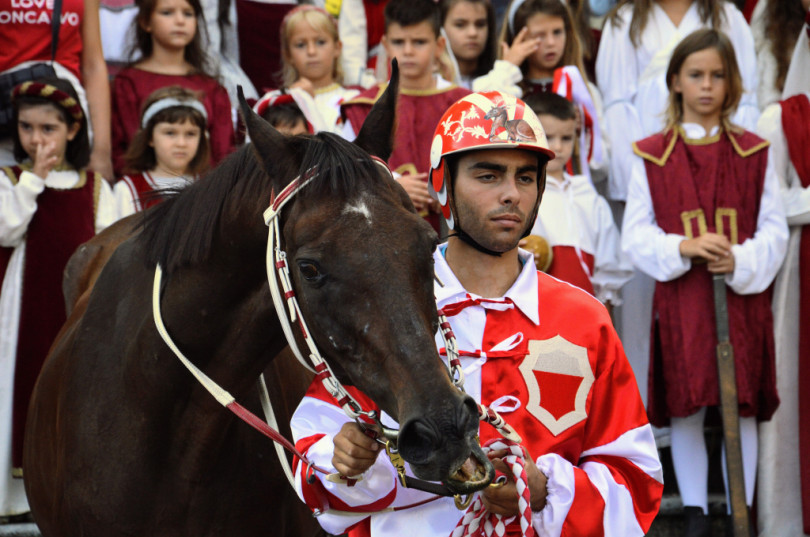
(369, 420)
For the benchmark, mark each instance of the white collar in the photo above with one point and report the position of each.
(696, 132)
(523, 292)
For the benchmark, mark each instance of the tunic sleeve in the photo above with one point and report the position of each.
(740, 34)
(354, 36)
(758, 259)
(18, 204)
(504, 76)
(314, 425)
(617, 74)
(612, 268)
(107, 211)
(795, 198)
(651, 249)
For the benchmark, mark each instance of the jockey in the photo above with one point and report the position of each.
(540, 352)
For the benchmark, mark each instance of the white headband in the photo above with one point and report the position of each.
(171, 102)
(510, 17)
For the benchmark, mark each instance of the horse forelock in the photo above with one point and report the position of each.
(182, 230)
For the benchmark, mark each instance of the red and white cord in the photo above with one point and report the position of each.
(477, 521)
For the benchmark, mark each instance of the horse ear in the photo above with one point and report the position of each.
(377, 134)
(268, 143)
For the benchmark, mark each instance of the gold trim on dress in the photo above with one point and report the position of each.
(719, 224)
(662, 160)
(326, 89)
(688, 216)
(747, 152)
(17, 472)
(9, 171)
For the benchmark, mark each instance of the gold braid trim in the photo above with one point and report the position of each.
(9, 171)
(747, 152)
(662, 160)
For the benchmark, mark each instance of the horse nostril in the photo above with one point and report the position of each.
(417, 442)
(468, 416)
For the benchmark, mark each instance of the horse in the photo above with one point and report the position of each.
(517, 130)
(121, 440)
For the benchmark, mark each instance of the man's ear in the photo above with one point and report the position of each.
(385, 45)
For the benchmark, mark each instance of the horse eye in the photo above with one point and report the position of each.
(309, 271)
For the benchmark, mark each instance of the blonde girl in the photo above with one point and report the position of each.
(50, 205)
(168, 41)
(311, 61)
(170, 150)
(704, 201)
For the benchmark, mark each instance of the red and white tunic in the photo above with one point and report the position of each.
(577, 223)
(546, 356)
(135, 193)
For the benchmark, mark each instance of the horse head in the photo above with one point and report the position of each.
(360, 259)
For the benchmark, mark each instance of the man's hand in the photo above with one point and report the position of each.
(415, 184)
(45, 159)
(504, 500)
(354, 451)
(522, 47)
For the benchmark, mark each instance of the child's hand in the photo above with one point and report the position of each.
(416, 187)
(305, 84)
(522, 47)
(714, 248)
(45, 159)
(725, 265)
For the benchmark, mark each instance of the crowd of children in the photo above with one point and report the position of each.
(659, 119)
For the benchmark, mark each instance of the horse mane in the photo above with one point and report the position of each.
(182, 230)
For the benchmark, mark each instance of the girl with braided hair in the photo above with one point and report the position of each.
(51, 204)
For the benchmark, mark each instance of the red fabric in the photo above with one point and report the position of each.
(604, 423)
(64, 220)
(132, 86)
(375, 26)
(748, 9)
(707, 177)
(25, 33)
(626, 473)
(417, 117)
(258, 28)
(795, 112)
(142, 189)
(566, 266)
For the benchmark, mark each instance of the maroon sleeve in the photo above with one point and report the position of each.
(221, 125)
(125, 117)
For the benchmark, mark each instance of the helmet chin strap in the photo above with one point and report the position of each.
(460, 234)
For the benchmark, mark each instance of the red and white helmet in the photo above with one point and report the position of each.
(488, 120)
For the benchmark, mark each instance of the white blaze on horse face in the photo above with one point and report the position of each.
(359, 207)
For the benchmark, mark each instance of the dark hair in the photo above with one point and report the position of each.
(284, 114)
(708, 10)
(412, 12)
(194, 52)
(572, 53)
(551, 104)
(77, 152)
(783, 21)
(140, 156)
(695, 42)
(487, 58)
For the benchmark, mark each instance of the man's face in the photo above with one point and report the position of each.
(495, 191)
